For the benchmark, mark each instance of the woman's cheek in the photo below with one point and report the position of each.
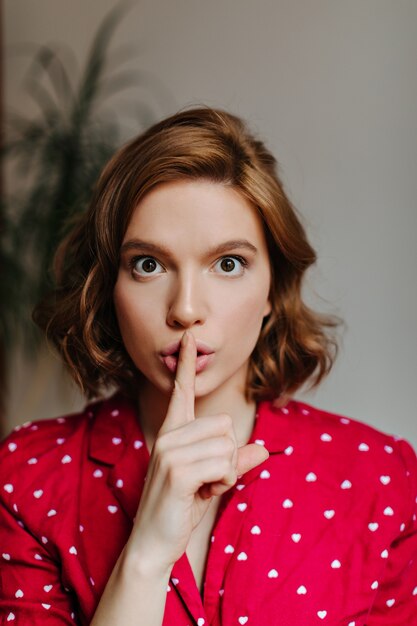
(251, 308)
(242, 326)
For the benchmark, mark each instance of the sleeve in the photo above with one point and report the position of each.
(31, 591)
(396, 600)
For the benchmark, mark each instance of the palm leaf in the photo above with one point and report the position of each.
(56, 159)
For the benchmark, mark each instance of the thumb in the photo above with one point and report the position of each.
(249, 456)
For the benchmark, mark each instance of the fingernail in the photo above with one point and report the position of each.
(185, 339)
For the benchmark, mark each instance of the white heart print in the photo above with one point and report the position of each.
(243, 619)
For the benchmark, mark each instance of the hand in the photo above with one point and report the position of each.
(192, 460)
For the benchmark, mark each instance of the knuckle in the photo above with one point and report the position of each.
(233, 479)
(227, 467)
(229, 446)
(181, 387)
(230, 476)
(178, 388)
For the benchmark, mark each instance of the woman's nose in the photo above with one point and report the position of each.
(187, 304)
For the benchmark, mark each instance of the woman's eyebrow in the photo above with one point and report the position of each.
(134, 244)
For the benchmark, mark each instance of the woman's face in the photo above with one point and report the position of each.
(194, 256)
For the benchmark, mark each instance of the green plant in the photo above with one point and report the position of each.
(54, 161)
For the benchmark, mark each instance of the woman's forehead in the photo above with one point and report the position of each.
(201, 209)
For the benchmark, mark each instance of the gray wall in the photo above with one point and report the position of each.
(331, 86)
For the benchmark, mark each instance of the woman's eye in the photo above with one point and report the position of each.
(149, 266)
(145, 265)
(233, 265)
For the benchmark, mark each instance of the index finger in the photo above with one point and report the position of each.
(181, 405)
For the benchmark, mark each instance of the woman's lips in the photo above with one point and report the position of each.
(202, 361)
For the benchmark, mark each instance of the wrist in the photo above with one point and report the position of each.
(138, 563)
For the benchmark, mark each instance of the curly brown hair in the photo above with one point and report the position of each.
(295, 344)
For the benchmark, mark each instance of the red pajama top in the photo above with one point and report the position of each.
(323, 532)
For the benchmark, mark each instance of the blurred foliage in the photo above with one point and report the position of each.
(53, 162)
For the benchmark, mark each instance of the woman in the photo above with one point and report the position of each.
(200, 492)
